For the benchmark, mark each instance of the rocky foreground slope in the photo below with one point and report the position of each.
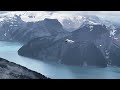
(9, 70)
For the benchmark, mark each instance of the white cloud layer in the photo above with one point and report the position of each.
(109, 15)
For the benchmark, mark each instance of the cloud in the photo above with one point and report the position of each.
(109, 15)
(106, 13)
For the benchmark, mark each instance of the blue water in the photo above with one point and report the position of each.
(8, 50)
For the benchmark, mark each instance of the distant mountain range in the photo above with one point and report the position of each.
(15, 29)
(66, 41)
(68, 21)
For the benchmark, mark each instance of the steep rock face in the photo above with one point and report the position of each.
(64, 52)
(32, 48)
(98, 34)
(105, 39)
(89, 32)
(84, 52)
(114, 55)
(9, 70)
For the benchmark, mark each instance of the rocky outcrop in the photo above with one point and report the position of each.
(10, 70)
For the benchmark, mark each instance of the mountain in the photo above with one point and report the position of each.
(15, 29)
(75, 22)
(48, 34)
(91, 44)
(10, 70)
(11, 26)
(70, 21)
(89, 32)
(105, 39)
(63, 51)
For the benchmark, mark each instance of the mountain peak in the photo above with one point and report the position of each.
(51, 20)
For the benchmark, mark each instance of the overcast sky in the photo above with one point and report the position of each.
(110, 15)
(93, 12)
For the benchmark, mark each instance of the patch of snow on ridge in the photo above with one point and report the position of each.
(1, 19)
(70, 41)
(5, 34)
(112, 32)
(91, 28)
(93, 23)
(116, 38)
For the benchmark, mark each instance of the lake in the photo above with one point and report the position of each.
(8, 50)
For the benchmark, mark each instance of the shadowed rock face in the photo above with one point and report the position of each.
(33, 47)
(75, 53)
(100, 36)
(87, 52)
(89, 32)
(9, 70)
(114, 55)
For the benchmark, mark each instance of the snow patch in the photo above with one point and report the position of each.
(11, 25)
(5, 34)
(112, 32)
(12, 22)
(91, 28)
(116, 38)
(1, 19)
(93, 23)
(100, 45)
(70, 41)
